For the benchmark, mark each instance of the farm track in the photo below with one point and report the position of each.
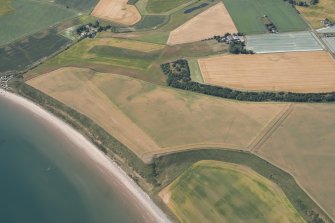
(270, 129)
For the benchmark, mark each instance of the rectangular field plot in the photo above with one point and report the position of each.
(302, 72)
(22, 53)
(304, 146)
(330, 42)
(247, 15)
(29, 17)
(284, 42)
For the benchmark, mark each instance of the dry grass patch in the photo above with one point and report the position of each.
(315, 14)
(151, 119)
(117, 11)
(214, 21)
(304, 146)
(292, 72)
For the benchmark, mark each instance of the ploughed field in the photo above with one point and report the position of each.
(152, 119)
(303, 145)
(291, 72)
(213, 191)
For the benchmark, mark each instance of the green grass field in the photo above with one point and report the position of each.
(212, 191)
(247, 15)
(30, 17)
(159, 6)
(81, 5)
(18, 55)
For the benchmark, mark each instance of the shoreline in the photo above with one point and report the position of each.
(147, 208)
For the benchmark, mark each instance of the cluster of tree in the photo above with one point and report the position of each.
(90, 30)
(269, 25)
(299, 3)
(327, 22)
(187, 11)
(179, 76)
(239, 48)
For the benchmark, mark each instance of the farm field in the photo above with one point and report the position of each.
(213, 191)
(283, 42)
(30, 17)
(110, 52)
(81, 5)
(247, 19)
(290, 72)
(5, 7)
(204, 26)
(22, 53)
(158, 6)
(304, 145)
(117, 11)
(228, 124)
(315, 14)
(330, 41)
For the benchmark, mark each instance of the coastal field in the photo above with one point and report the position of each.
(213, 191)
(248, 18)
(292, 72)
(117, 11)
(204, 26)
(283, 42)
(131, 110)
(304, 146)
(20, 22)
(110, 52)
(22, 53)
(316, 13)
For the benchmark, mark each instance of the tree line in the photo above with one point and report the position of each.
(179, 76)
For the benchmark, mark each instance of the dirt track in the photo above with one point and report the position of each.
(117, 11)
(203, 26)
(303, 72)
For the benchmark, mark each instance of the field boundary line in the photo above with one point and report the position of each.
(270, 128)
(191, 147)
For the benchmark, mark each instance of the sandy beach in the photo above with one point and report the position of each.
(111, 171)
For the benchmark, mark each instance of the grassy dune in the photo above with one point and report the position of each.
(206, 121)
(212, 191)
(304, 146)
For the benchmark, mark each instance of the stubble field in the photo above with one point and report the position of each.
(156, 112)
(291, 72)
(204, 26)
(117, 11)
(304, 146)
